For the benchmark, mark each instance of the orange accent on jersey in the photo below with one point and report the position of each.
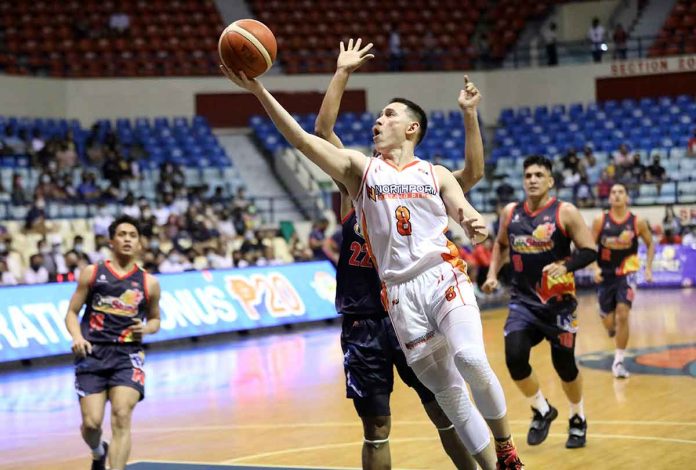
(629, 265)
(555, 287)
(384, 297)
(363, 227)
(403, 224)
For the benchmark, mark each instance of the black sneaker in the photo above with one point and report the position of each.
(577, 432)
(100, 463)
(539, 428)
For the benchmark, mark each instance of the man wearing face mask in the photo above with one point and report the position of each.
(37, 272)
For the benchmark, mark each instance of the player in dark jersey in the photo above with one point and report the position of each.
(537, 234)
(121, 306)
(371, 349)
(616, 233)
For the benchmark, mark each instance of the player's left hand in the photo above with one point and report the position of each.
(138, 329)
(475, 230)
(469, 97)
(648, 275)
(556, 269)
(240, 79)
(352, 56)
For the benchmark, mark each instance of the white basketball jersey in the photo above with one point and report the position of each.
(403, 219)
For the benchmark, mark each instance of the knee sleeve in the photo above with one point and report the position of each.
(440, 375)
(564, 362)
(517, 348)
(485, 386)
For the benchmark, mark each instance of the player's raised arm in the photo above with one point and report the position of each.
(644, 232)
(80, 346)
(501, 250)
(343, 165)
(459, 208)
(472, 172)
(350, 58)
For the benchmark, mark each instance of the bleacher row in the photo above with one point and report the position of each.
(678, 33)
(646, 124)
(181, 141)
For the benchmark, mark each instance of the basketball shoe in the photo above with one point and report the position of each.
(540, 425)
(619, 371)
(100, 463)
(507, 456)
(577, 432)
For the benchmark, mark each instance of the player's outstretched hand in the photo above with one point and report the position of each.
(556, 269)
(352, 57)
(81, 347)
(240, 79)
(469, 97)
(490, 285)
(475, 230)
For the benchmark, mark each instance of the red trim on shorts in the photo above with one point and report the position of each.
(539, 210)
(345, 219)
(118, 276)
(558, 220)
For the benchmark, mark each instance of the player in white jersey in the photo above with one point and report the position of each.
(402, 203)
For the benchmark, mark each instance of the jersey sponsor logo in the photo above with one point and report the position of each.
(101, 279)
(420, 340)
(557, 286)
(673, 359)
(538, 242)
(380, 192)
(450, 293)
(126, 304)
(622, 242)
(630, 264)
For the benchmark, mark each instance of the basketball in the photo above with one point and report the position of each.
(247, 45)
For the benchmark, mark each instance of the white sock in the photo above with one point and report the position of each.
(539, 403)
(619, 355)
(98, 452)
(577, 409)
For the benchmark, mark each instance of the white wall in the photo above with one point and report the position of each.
(90, 99)
(575, 18)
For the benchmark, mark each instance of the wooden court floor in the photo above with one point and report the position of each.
(277, 400)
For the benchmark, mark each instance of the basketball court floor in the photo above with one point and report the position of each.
(277, 401)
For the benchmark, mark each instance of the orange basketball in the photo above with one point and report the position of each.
(249, 46)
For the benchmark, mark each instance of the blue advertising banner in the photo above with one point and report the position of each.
(673, 266)
(32, 318)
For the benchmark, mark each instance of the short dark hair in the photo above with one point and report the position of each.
(416, 112)
(123, 219)
(538, 160)
(620, 184)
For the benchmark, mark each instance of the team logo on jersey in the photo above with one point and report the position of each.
(538, 242)
(358, 230)
(673, 359)
(622, 242)
(101, 279)
(126, 304)
(552, 287)
(379, 192)
(450, 293)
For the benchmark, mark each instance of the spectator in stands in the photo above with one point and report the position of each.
(5, 195)
(655, 172)
(670, 238)
(54, 260)
(550, 38)
(483, 51)
(13, 144)
(35, 220)
(504, 192)
(18, 196)
(588, 162)
(670, 221)
(396, 53)
(6, 276)
(691, 145)
(582, 193)
(570, 160)
(481, 256)
(175, 262)
(620, 38)
(430, 52)
(101, 220)
(36, 273)
(604, 187)
(690, 238)
(66, 154)
(119, 23)
(623, 160)
(217, 258)
(129, 206)
(317, 237)
(87, 190)
(36, 145)
(596, 37)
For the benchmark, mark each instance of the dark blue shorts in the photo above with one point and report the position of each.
(615, 290)
(370, 353)
(110, 365)
(557, 323)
